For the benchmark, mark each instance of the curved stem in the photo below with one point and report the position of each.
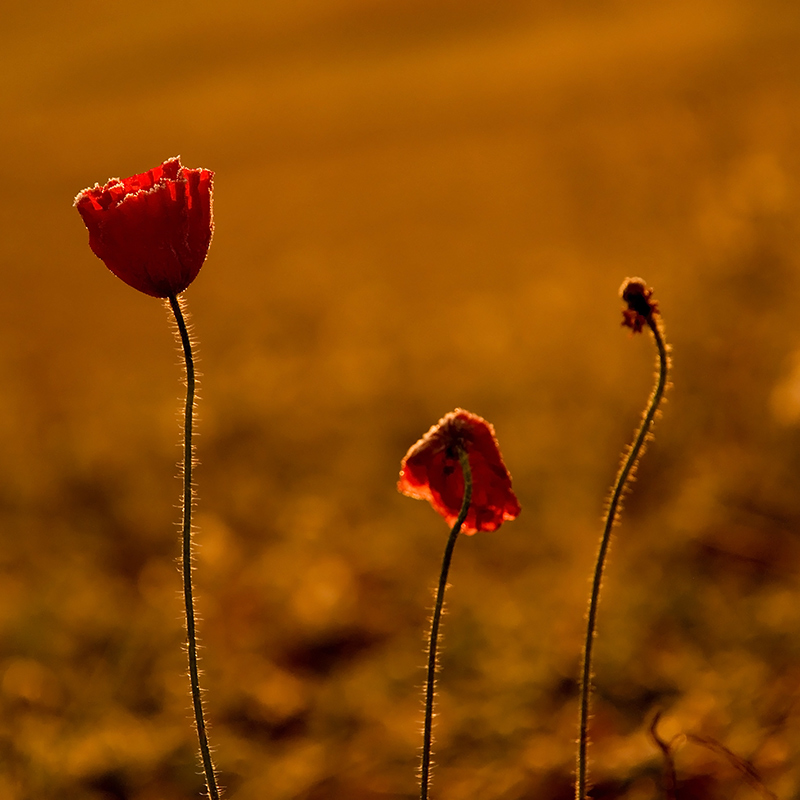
(188, 502)
(611, 518)
(430, 686)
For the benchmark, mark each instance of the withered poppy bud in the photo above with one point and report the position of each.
(641, 307)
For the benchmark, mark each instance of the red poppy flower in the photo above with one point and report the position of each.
(432, 471)
(152, 230)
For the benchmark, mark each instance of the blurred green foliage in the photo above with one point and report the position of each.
(419, 206)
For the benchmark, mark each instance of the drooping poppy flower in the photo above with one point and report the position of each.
(431, 470)
(641, 308)
(152, 230)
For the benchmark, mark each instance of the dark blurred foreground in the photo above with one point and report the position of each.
(418, 207)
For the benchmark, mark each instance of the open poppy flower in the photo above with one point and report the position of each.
(431, 470)
(152, 230)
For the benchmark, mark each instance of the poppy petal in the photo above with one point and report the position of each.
(431, 470)
(152, 230)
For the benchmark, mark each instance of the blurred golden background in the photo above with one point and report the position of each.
(419, 205)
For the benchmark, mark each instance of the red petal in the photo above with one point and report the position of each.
(152, 230)
(431, 470)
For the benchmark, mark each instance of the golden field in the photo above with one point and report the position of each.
(418, 206)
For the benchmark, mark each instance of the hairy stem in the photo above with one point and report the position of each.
(188, 502)
(611, 518)
(430, 687)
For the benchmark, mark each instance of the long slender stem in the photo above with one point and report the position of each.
(611, 518)
(430, 687)
(188, 502)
